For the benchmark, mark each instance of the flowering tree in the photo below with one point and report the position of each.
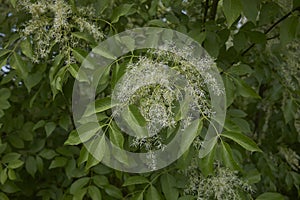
(54, 146)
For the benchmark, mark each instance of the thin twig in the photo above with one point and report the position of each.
(271, 28)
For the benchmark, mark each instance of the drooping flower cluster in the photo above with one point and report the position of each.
(170, 89)
(291, 157)
(52, 24)
(224, 185)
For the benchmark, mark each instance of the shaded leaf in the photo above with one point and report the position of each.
(242, 140)
(152, 193)
(227, 157)
(79, 184)
(121, 10)
(135, 180)
(232, 10)
(270, 196)
(31, 165)
(113, 191)
(168, 185)
(94, 193)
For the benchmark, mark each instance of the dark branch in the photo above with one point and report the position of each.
(271, 28)
(213, 11)
(206, 6)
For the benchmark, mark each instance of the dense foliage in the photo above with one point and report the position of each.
(256, 47)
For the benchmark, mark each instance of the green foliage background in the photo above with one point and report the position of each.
(255, 44)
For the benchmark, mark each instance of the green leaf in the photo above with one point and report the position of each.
(26, 48)
(100, 105)
(94, 193)
(102, 51)
(100, 181)
(240, 70)
(31, 165)
(3, 176)
(113, 191)
(19, 65)
(138, 196)
(168, 185)
(11, 174)
(3, 196)
(117, 72)
(83, 157)
(64, 122)
(129, 42)
(4, 104)
(288, 29)
(39, 164)
(134, 110)
(187, 197)
(296, 4)
(15, 164)
(16, 141)
(245, 90)
(2, 147)
(135, 180)
(84, 36)
(227, 157)
(208, 146)
(243, 125)
(79, 184)
(242, 140)
(49, 128)
(3, 52)
(97, 147)
(232, 10)
(270, 196)
(211, 43)
(157, 22)
(230, 90)
(10, 157)
(190, 133)
(86, 131)
(250, 9)
(4, 93)
(9, 187)
(289, 110)
(135, 121)
(58, 162)
(13, 3)
(257, 37)
(32, 80)
(120, 11)
(253, 176)
(152, 194)
(91, 162)
(207, 163)
(73, 138)
(48, 154)
(79, 54)
(116, 136)
(39, 124)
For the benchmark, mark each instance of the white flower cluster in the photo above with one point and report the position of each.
(150, 144)
(286, 63)
(52, 23)
(85, 25)
(224, 185)
(160, 82)
(291, 157)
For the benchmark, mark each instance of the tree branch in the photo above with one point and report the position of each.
(206, 6)
(271, 28)
(213, 11)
